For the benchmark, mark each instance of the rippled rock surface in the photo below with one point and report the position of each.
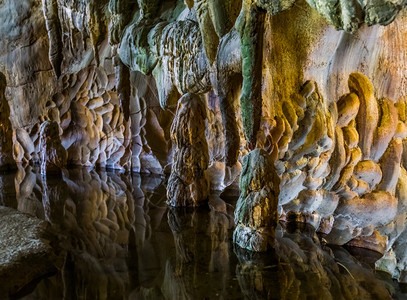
(190, 87)
(304, 99)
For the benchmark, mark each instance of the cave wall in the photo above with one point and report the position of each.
(190, 88)
(59, 66)
(71, 59)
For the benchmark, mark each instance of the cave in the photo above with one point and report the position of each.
(203, 149)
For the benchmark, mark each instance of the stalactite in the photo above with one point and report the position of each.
(250, 26)
(50, 8)
(350, 15)
(229, 67)
(223, 14)
(97, 26)
(121, 14)
(123, 88)
(209, 37)
(53, 154)
(148, 8)
(7, 161)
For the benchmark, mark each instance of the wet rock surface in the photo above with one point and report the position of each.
(339, 168)
(191, 88)
(26, 254)
(256, 210)
(188, 184)
(7, 161)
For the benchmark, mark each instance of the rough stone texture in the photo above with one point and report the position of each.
(7, 161)
(256, 210)
(328, 106)
(85, 42)
(340, 161)
(53, 154)
(188, 184)
(349, 15)
(346, 186)
(25, 251)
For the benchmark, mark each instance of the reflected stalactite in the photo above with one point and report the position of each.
(29, 191)
(301, 267)
(93, 215)
(117, 238)
(201, 240)
(55, 199)
(219, 228)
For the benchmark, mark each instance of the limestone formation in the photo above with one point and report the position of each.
(349, 15)
(25, 251)
(189, 87)
(250, 26)
(336, 170)
(229, 69)
(53, 154)
(121, 12)
(188, 183)
(6, 130)
(256, 210)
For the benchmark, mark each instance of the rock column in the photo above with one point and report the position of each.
(256, 210)
(188, 184)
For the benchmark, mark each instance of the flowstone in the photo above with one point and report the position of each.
(53, 154)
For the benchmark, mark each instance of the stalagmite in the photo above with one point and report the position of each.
(304, 99)
(188, 183)
(256, 211)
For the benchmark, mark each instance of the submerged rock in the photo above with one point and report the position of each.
(25, 251)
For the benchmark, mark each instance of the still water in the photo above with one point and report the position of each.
(117, 239)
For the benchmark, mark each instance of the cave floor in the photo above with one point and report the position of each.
(114, 237)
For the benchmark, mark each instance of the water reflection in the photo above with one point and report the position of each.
(301, 268)
(117, 239)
